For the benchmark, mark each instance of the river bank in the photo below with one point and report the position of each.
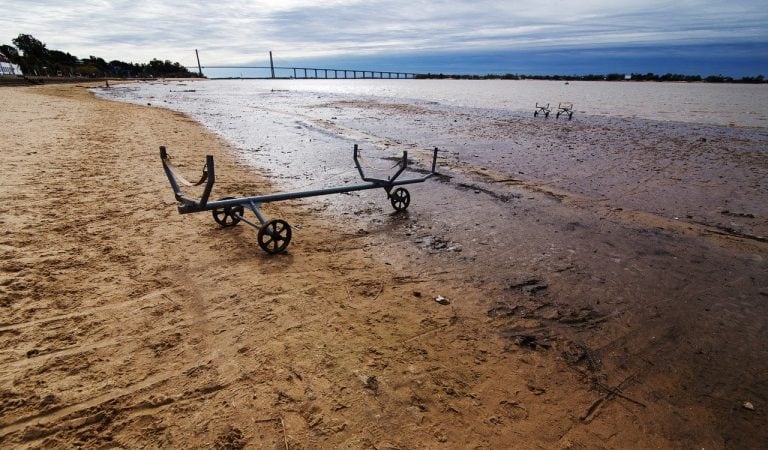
(572, 321)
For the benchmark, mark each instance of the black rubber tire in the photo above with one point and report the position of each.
(400, 199)
(274, 236)
(228, 216)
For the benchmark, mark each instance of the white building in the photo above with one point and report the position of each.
(8, 69)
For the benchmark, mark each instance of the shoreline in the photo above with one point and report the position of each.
(670, 170)
(129, 324)
(667, 104)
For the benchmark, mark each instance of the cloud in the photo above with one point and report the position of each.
(236, 31)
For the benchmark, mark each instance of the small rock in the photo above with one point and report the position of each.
(417, 294)
(748, 406)
(442, 300)
(47, 400)
(372, 383)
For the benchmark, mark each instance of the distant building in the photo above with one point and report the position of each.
(627, 77)
(8, 69)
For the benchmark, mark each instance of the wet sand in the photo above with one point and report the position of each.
(607, 285)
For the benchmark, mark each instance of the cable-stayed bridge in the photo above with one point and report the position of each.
(272, 71)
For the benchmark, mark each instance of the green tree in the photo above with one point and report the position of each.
(61, 63)
(36, 59)
(30, 46)
(35, 53)
(10, 52)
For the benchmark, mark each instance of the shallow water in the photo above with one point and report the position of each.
(302, 131)
(705, 103)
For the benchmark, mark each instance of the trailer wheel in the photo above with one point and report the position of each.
(400, 199)
(228, 216)
(274, 236)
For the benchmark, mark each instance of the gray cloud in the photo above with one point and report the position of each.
(237, 31)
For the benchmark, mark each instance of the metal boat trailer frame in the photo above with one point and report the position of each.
(542, 109)
(275, 235)
(564, 109)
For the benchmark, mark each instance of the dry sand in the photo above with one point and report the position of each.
(126, 325)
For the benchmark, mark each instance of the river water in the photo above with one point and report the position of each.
(703, 103)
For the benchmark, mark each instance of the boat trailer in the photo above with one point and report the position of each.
(542, 109)
(274, 235)
(564, 109)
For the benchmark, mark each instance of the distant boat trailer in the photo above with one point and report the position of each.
(542, 109)
(275, 235)
(563, 109)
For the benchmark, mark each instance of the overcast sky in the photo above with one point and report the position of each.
(447, 35)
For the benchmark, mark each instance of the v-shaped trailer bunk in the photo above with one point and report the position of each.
(274, 235)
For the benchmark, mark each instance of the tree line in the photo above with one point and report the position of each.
(601, 77)
(35, 58)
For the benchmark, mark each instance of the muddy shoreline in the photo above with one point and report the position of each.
(637, 247)
(605, 282)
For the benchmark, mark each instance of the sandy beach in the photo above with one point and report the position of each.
(607, 287)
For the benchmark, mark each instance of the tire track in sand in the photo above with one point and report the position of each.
(66, 417)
